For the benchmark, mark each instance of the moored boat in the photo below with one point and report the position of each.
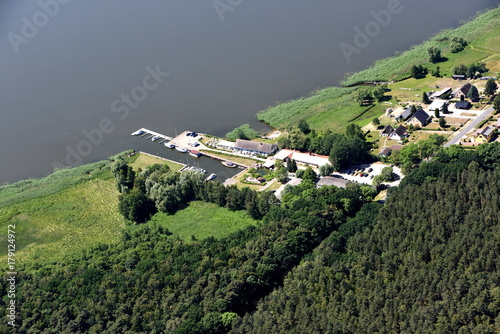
(155, 138)
(169, 145)
(137, 133)
(229, 164)
(181, 149)
(195, 169)
(211, 176)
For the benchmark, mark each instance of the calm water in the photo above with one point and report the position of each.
(74, 71)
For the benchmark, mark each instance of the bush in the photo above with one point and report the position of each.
(242, 132)
(457, 44)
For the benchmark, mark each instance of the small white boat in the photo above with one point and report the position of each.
(181, 149)
(195, 169)
(229, 164)
(211, 176)
(137, 133)
(155, 138)
(169, 145)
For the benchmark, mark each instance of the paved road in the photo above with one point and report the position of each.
(455, 139)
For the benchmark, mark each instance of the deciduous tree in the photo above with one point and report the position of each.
(491, 87)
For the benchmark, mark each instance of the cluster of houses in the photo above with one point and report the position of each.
(419, 118)
(395, 134)
(440, 100)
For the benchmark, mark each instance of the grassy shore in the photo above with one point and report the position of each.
(334, 108)
(61, 214)
(73, 209)
(483, 34)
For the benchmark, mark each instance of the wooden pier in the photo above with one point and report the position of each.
(148, 134)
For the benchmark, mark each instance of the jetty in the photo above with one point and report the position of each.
(148, 134)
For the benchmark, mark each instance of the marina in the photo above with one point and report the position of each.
(196, 160)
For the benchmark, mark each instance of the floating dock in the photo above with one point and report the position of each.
(148, 134)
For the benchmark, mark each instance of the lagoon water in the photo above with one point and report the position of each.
(68, 67)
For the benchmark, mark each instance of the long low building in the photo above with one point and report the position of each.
(314, 160)
(254, 147)
(440, 93)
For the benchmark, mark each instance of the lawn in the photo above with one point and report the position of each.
(143, 161)
(51, 227)
(202, 220)
(417, 136)
(244, 161)
(241, 177)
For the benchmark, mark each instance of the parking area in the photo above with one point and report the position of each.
(188, 140)
(366, 172)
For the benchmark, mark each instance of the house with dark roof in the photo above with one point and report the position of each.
(462, 91)
(248, 146)
(387, 131)
(463, 105)
(400, 133)
(385, 152)
(405, 115)
(420, 118)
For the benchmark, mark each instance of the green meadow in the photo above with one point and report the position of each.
(73, 209)
(202, 220)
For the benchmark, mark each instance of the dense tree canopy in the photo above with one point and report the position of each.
(428, 265)
(152, 281)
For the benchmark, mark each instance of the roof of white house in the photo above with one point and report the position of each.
(437, 104)
(225, 143)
